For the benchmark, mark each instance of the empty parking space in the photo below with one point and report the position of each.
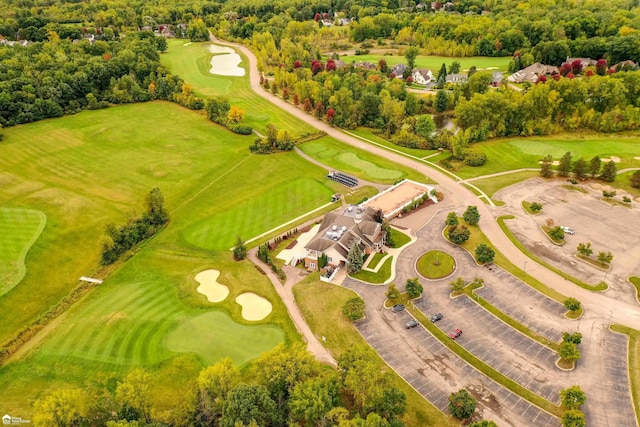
(530, 308)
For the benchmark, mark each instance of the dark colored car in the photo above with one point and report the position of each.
(455, 334)
(397, 308)
(436, 317)
(411, 324)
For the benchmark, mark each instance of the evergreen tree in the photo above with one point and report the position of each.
(609, 171)
(565, 164)
(442, 101)
(442, 74)
(545, 167)
(354, 258)
(580, 169)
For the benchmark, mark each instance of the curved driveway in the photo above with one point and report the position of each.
(601, 310)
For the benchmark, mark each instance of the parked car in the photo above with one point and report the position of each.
(568, 230)
(397, 308)
(411, 324)
(436, 317)
(455, 334)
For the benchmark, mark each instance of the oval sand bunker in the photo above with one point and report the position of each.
(225, 61)
(254, 307)
(209, 286)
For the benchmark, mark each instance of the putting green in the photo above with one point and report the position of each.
(214, 335)
(368, 167)
(19, 229)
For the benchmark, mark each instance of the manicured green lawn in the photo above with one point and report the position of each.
(375, 260)
(357, 162)
(435, 62)
(399, 238)
(192, 63)
(436, 264)
(19, 229)
(96, 167)
(492, 185)
(318, 301)
(515, 153)
(377, 278)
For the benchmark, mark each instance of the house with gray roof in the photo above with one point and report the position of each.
(338, 232)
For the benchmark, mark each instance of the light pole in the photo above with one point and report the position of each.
(524, 268)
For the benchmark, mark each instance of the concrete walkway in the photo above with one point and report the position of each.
(294, 275)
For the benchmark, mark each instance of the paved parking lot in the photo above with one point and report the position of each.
(434, 370)
(507, 351)
(531, 308)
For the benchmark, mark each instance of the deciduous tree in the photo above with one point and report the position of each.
(584, 249)
(461, 404)
(572, 304)
(573, 397)
(573, 418)
(63, 407)
(410, 55)
(605, 257)
(353, 308)
(236, 114)
(452, 219)
(484, 254)
(459, 234)
(239, 250)
(414, 288)
(248, 403)
(133, 394)
(471, 215)
(635, 179)
(457, 285)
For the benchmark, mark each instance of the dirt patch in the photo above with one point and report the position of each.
(209, 286)
(254, 307)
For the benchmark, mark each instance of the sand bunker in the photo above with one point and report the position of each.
(254, 307)
(209, 286)
(225, 61)
(637, 158)
(613, 159)
(554, 163)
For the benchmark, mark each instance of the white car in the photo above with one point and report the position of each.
(568, 230)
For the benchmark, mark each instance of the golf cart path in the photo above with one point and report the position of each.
(606, 310)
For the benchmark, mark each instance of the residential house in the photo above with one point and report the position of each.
(344, 21)
(627, 65)
(340, 63)
(327, 23)
(422, 76)
(338, 232)
(398, 70)
(496, 78)
(531, 73)
(585, 62)
(365, 65)
(456, 78)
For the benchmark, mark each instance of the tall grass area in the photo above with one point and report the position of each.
(318, 301)
(191, 61)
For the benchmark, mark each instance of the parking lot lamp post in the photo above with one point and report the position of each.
(524, 268)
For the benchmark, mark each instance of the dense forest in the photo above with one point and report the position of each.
(288, 387)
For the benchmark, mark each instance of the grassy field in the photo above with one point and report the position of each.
(19, 229)
(399, 238)
(357, 162)
(379, 277)
(428, 268)
(435, 62)
(191, 61)
(94, 168)
(634, 364)
(317, 301)
(635, 281)
(516, 153)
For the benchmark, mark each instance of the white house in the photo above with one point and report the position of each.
(422, 76)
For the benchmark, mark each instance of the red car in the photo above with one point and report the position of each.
(455, 334)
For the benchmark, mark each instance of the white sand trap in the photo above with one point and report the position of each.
(637, 158)
(554, 163)
(209, 286)
(254, 307)
(186, 44)
(612, 158)
(225, 62)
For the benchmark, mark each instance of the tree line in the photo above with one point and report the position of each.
(57, 77)
(283, 387)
